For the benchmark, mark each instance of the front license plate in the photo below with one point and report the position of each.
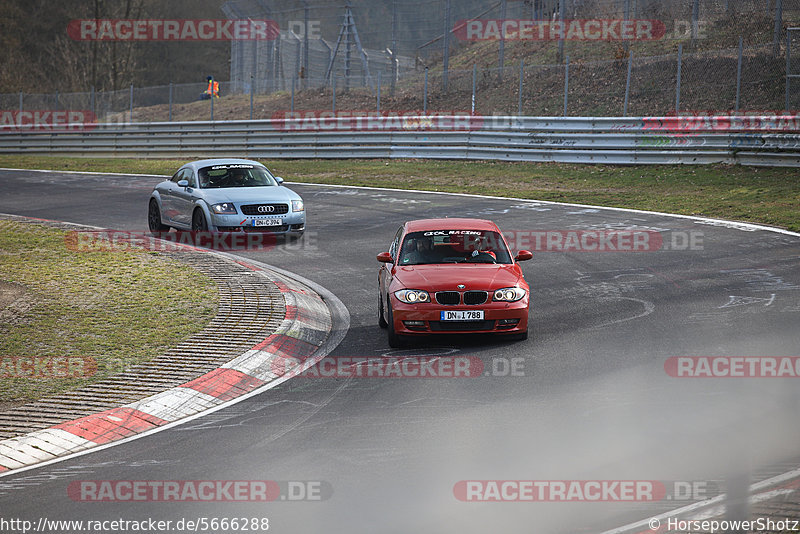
(267, 222)
(462, 315)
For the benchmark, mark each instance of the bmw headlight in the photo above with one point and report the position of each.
(297, 205)
(224, 208)
(509, 294)
(412, 296)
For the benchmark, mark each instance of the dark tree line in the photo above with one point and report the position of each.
(40, 57)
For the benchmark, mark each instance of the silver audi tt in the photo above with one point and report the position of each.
(226, 195)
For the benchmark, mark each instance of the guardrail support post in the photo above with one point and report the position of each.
(566, 85)
(739, 75)
(678, 80)
(628, 85)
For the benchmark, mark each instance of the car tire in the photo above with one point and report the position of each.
(154, 218)
(519, 337)
(199, 223)
(381, 319)
(396, 341)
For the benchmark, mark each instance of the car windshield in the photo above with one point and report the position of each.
(235, 175)
(453, 246)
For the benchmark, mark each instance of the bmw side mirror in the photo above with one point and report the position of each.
(385, 257)
(279, 180)
(183, 183)
(523, 255)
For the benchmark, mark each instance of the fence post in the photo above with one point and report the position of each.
(739, 75)
(425, 94)
(788, 67)
(394, 45)
(628, 85)
(776, 39)
(446, 60)
(566, 85)
(306, 73)
(131, 103)
(474, 82)
(678, 80)
(252, 91)
(291, 107)
(561, 13)
(334, 94)
(277, 64)
(627, 17)
(695, 20)
(91, 102)
(20, 101)
(170, 101)
(502, 46)
(521, 77)
(379, 92)
(254, 72)
(56, 106)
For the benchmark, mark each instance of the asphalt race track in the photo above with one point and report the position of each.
(590, 398)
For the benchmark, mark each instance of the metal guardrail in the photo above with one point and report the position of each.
(747, 140)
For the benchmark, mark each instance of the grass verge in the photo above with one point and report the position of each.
(72, 318)
(766, 195)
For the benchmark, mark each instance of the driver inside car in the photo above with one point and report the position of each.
(238, 177)
(419, 251)
(481, 250)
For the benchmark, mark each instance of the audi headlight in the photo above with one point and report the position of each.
(297, 205)
(224, 208)
(509, 294)
(412, 296)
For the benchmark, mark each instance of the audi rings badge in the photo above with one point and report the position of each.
(266, 209)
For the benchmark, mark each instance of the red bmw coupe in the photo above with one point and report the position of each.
(451, 276)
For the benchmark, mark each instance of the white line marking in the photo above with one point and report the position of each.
(754, 488)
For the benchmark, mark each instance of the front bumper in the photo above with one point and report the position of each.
(293, 222)
(425, 318)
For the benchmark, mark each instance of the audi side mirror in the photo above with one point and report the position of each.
(183, 183)
(279, 180)
(385, 257)
(523, 255)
